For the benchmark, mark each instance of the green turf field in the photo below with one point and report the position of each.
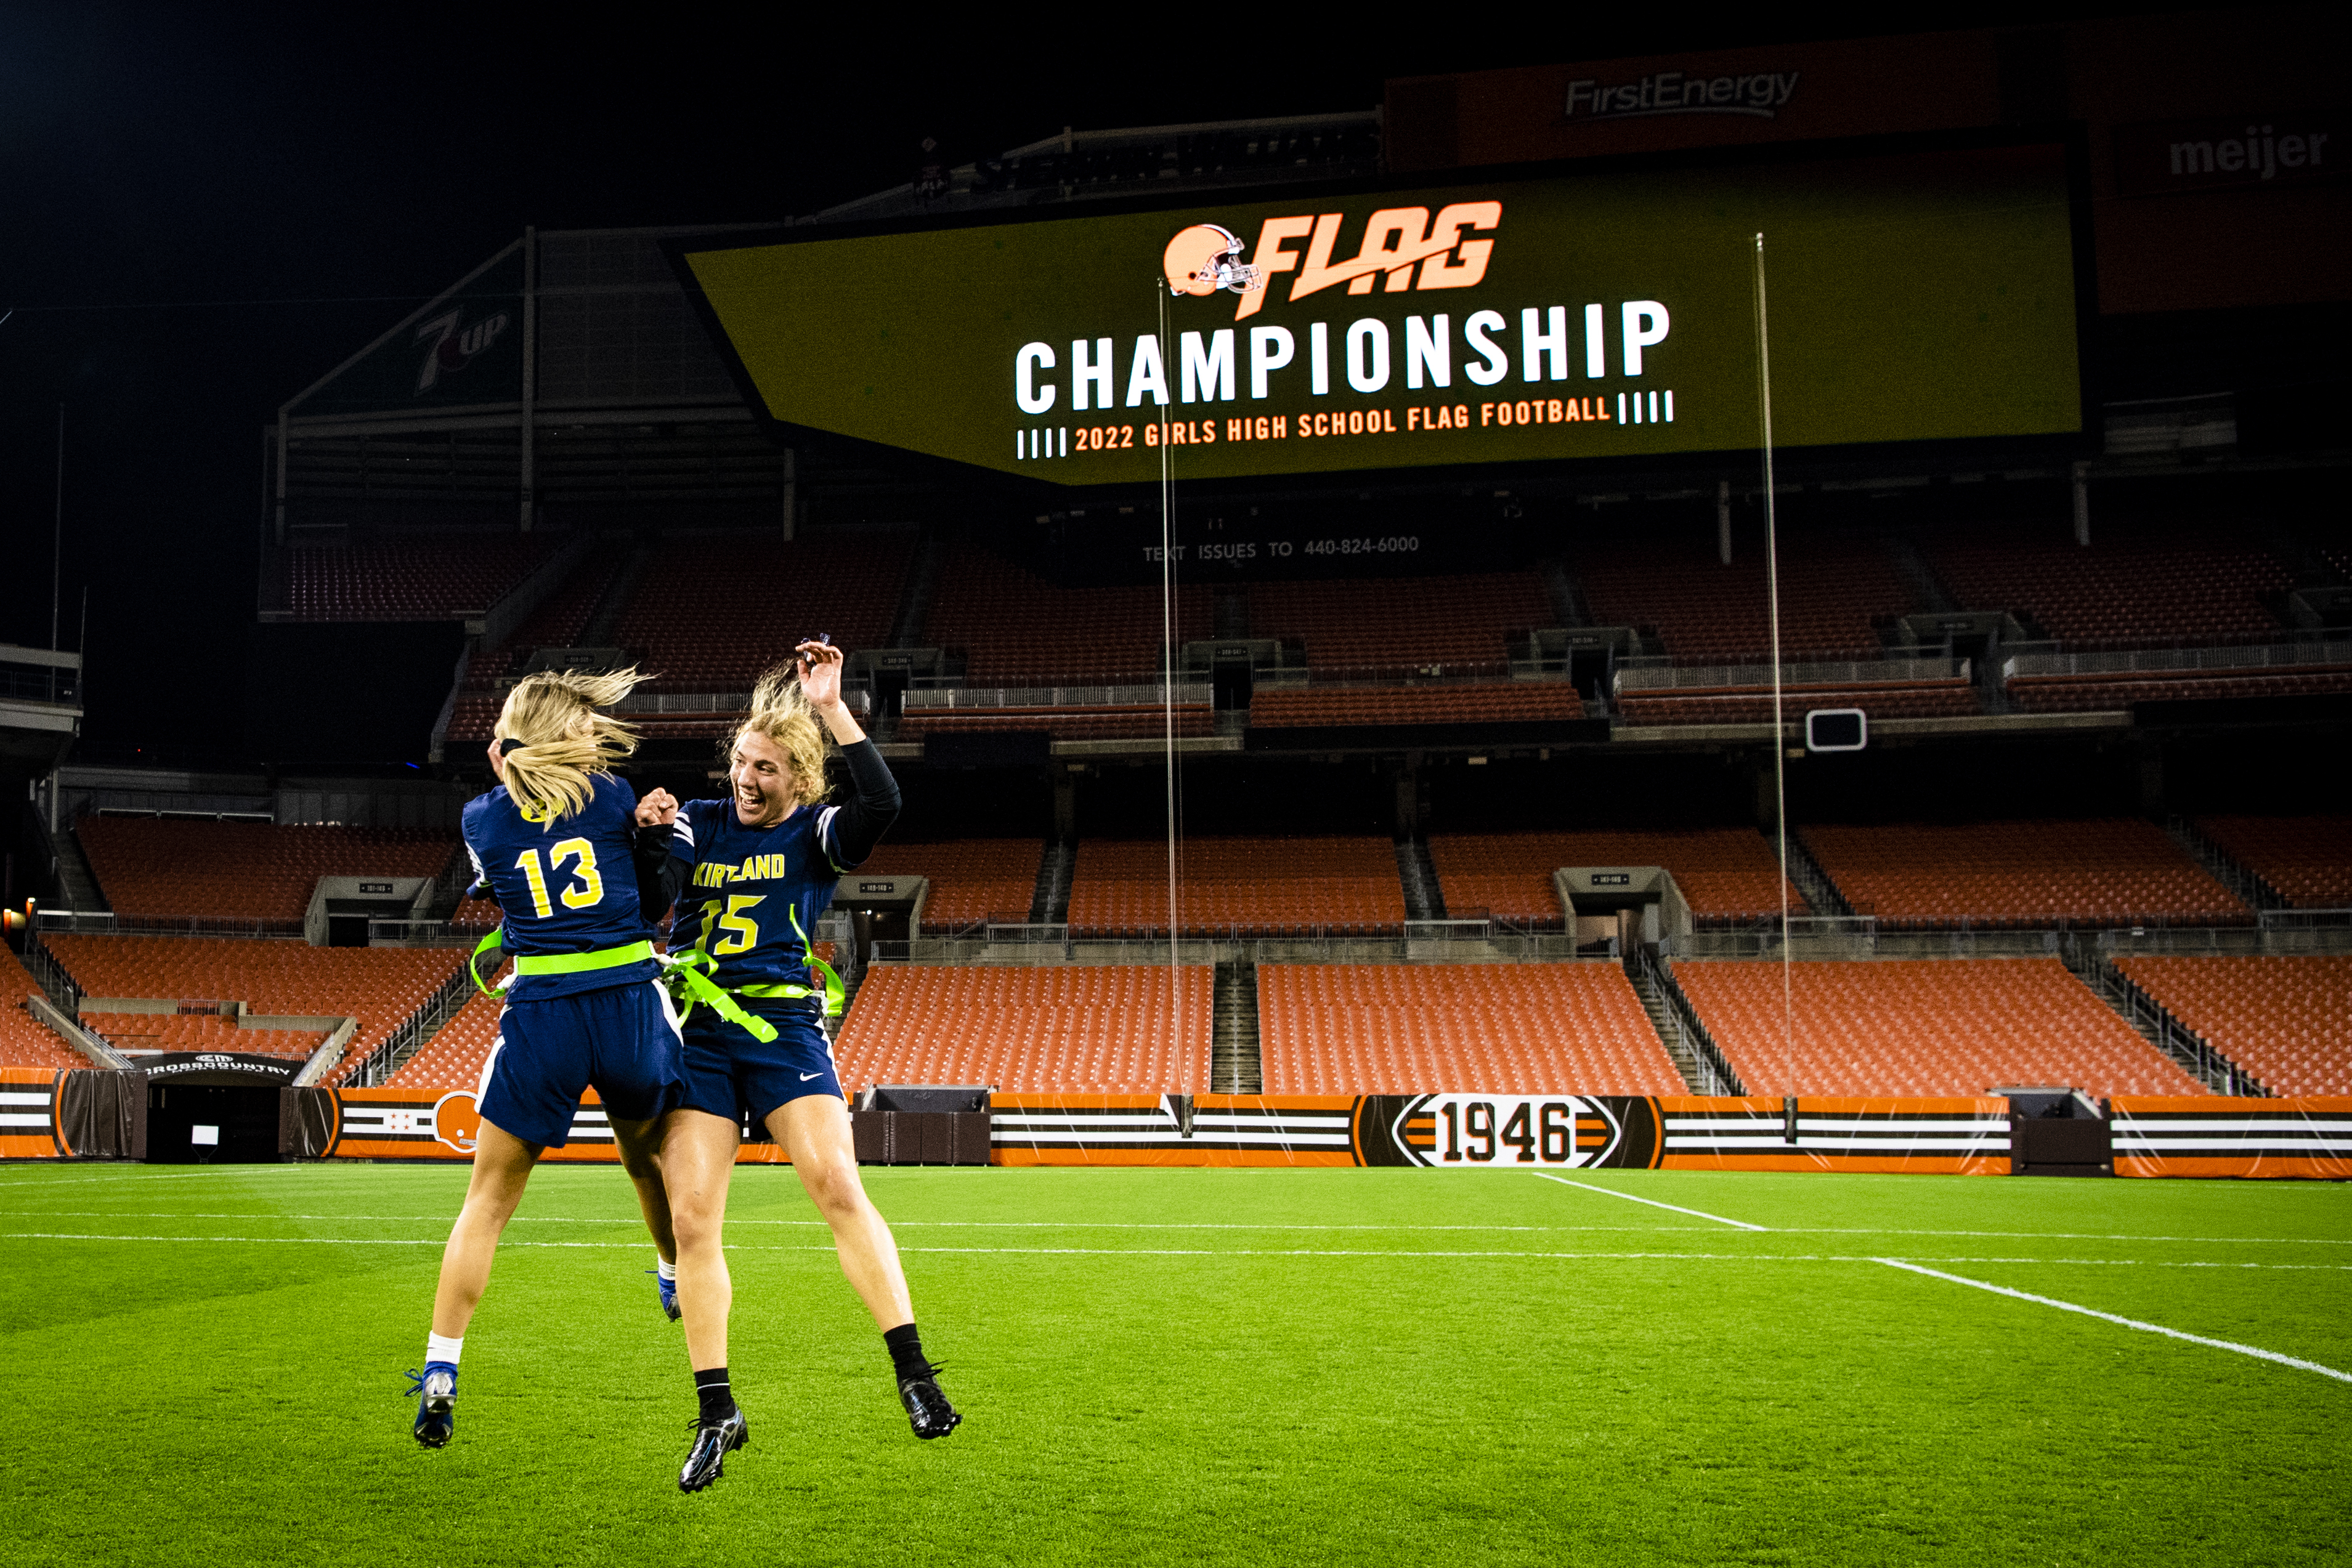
(1196, 1367)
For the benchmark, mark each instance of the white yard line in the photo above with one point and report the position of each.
(37, 1177)
(631, 1221)
(2127, 1322)
(1238, 1252)
(1654, 1203)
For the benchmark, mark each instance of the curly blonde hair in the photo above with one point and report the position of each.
(781, 712)
(564, 739)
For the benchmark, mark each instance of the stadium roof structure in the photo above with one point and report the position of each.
(569, 369)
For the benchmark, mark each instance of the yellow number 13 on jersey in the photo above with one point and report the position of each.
(587, 889)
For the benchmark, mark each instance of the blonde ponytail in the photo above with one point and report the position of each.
(564, 740)
(781, 711)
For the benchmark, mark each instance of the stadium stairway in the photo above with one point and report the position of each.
(76, 883)
(2158, 1025)
(1424, 898)
(1235, 1066)
(1050, 905)
(605, 618)
(1666, 1011)
(915, 600)
(1920, 578)
(2233, 874)
(1805, 873)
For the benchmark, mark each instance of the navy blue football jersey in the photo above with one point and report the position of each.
(569, 886)
(748, 885)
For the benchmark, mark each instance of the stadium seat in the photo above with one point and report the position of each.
(26, 1041)
(1129, 721)
(1081, 1030)
(453, 1058)
(556, 624)
(1724, 873)
(1922, 1027)
(1266, 886)
(200, 1032)
(712, 613)
(2308, 859)
(1459, 623)
(2143, 587)
(1389, 1029)
(1831, 594)
(1499, 702)
(168, 868)
(2102, 872)
(1018, 630)
(2288, 1021)
(972, 879)
(427, 576)
(1752, 704)
(2102, 692)
(380, 986)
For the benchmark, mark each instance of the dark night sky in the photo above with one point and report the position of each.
(208, 206)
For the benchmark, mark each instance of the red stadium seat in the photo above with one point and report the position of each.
(1922, 1027)
(1393, 1028)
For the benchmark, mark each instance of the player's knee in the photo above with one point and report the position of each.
(835, 1187)
(693, 1222)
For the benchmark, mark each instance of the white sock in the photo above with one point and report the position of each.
(667, 1270)
(439, 1349)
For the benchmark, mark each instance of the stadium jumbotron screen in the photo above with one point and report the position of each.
(1914, 296)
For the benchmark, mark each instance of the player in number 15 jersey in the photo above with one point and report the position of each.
(751, 874)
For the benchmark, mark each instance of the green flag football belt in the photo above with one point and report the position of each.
(683, 972)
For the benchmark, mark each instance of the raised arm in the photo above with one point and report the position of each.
(873, 800)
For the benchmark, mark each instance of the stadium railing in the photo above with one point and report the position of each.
(1690, 1033)
(1650, 689)
(380, 1063)
(2192, 1050)
(102, 921)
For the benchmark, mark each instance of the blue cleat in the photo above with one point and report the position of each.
(436, 1391)
(668, 1288)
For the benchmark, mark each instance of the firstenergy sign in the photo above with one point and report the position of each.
(1539, 320)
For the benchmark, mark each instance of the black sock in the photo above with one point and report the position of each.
(718, 1399)
(906, 1353)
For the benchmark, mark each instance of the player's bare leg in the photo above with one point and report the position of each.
(502, 1167)
(640, 1146)
(697, 1161)
(814, 1131)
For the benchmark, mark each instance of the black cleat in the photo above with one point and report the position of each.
(928, 1410)
(436, 1391)
(712, 1443)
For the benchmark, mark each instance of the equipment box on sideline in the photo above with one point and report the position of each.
(920, 1137)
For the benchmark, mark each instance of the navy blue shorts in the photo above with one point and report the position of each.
(730, 1074)
(622, 1038)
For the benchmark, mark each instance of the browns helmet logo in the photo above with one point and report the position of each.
(1204, 258)
(457, 1120)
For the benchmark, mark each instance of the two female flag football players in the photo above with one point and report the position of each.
(749, 877)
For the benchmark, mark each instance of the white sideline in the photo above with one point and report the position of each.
(1654, 1203)
(1258, 1253)
(2127, 1322)
(631, 1221)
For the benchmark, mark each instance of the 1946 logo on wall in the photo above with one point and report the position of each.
(1505, 1131)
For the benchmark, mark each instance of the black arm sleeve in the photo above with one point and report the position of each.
(660, 873)
(873, 806)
